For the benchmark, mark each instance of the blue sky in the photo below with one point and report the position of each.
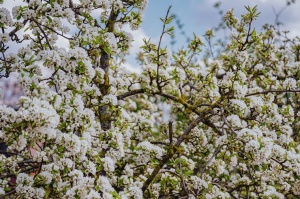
(157, 9)
(200, 15)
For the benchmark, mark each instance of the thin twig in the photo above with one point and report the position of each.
(272, 91)
(158, 48)
(43, 32)
(170, 132)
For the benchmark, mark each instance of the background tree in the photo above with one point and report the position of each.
(92, 129)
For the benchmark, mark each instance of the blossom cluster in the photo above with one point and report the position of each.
(89, 128)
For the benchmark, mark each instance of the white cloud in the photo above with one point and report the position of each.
(132, 68)
(9, 4)
(138, 36)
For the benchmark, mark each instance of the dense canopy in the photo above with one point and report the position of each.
(224, 126)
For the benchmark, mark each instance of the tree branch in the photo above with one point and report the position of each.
(171, 152)
(272, 91)
(13, 32)
(176, 99)
(158, 48)
(130, 93)
(213, 126)
(7, 194)
(43, 32)
(189, 129)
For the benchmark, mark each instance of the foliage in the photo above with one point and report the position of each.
(93, 129)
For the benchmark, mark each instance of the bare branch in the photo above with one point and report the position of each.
(272, 91)
(158, 48)
(171, 152)
(130, 93)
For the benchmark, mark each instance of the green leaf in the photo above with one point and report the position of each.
(107, 49)
(26, 29)
(51, 83)
(48, 191)
(265, 166)
(169, 20)
(170, 31)
(49, 18)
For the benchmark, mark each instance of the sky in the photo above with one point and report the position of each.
(200, 15)
(197, 17)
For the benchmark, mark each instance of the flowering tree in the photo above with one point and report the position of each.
(93, 129)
